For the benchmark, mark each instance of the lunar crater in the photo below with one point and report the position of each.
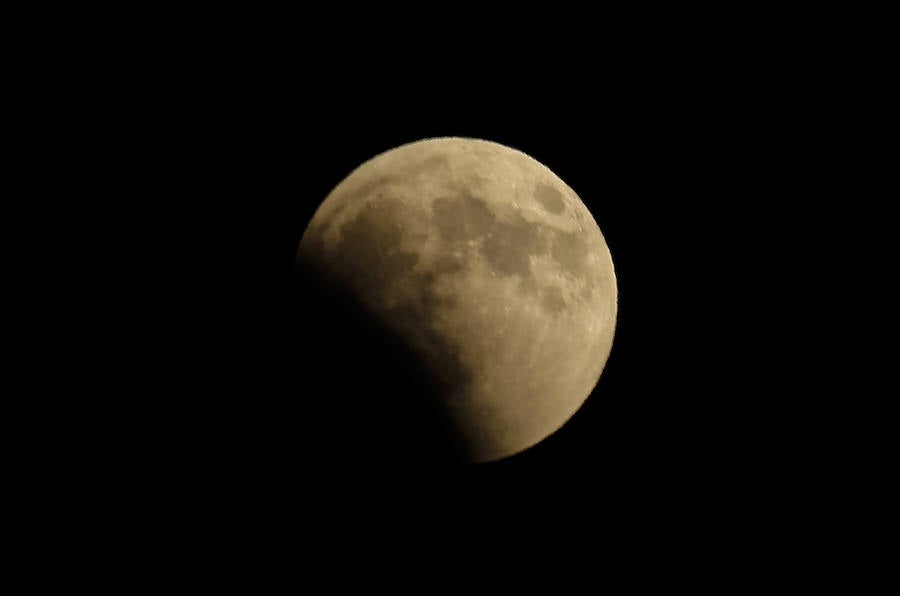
(550, 198)
(489, 268)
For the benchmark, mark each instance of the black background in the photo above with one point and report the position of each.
(678, 147)
(210, 416)
(665, 162)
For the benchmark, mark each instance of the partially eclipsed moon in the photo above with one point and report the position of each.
(490, 268)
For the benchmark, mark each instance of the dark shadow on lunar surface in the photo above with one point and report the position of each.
(368, 402)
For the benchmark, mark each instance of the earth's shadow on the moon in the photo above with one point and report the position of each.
(369, 403)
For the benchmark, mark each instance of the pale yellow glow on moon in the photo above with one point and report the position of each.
(491, 268)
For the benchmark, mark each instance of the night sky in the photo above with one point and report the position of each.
(200, 410)
(671, 152)
(654, 171)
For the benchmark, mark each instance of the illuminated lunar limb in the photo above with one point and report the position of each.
(492, 270)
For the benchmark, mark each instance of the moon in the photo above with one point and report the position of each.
(490, 268)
